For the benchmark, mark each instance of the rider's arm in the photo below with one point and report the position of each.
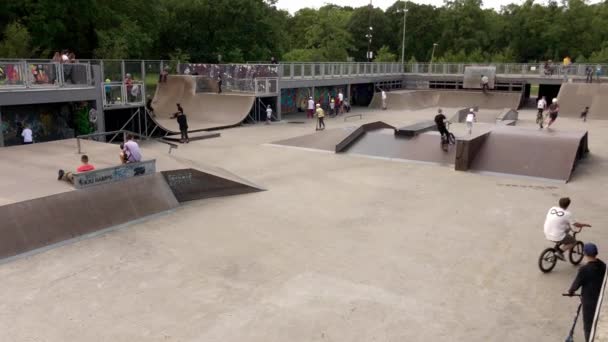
(581, 225)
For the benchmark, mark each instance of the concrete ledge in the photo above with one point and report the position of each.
(351, 138)
(466, 150)
(415, 129)
(114, 174)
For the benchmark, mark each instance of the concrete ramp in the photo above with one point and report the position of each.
(325, 140)
(44, 221)
(574, 97)
(192, 184)
(425, 147)
(205, 111)
(530, 152)
(419, 99)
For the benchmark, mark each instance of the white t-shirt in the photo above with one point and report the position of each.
(542, 104)
(383, 95)
(341, 97)
(27, 135)
(485, 80)
(470, 117)
(65, 58)
(268, 112)
(311, 104)
(557, 223)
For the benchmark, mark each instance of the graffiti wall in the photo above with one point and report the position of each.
(296, 99)
(48, 122)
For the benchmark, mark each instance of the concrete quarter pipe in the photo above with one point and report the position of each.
(574, 97)
(205, 111)
(419, 99)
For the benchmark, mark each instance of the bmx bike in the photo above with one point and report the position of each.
(570, 337)
(539, 117)
(548, 258)
(449, 140)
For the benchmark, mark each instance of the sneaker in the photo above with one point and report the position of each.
(60, 174)
(560, 255)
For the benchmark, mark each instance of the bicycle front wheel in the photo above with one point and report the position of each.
(576, 253)
(547, 260)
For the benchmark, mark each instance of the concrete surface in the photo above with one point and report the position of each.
(574, 97)
(340, 248)
(203, 110)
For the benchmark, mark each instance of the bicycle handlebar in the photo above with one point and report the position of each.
(571, 295)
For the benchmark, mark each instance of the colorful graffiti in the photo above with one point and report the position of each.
(47, 121)
(296, 99)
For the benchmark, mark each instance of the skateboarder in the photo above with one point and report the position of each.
(553, 112)
(311, 108)
(69, 176)
(268, 114)
(541, 106)
(182, 121)
(471, 117)
(584, 114)
(321, 117)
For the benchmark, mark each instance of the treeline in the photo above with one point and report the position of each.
(255, 30)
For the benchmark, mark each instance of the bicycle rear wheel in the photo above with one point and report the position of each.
(547, 260)
(576, 253)
(451, 139)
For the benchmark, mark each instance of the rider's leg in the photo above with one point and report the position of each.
(567, 243)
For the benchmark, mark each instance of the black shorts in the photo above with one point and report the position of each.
(553, 116)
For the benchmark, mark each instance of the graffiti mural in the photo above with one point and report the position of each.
(47, 121)
(296, 99)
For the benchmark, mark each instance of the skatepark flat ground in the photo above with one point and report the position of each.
(341, 248)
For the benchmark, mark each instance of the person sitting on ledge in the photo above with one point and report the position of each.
(131, 151)
(69, 176)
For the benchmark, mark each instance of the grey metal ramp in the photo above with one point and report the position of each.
(325, 140)
(574, 97)
(417, 128)
(531, 152)
(424, 147)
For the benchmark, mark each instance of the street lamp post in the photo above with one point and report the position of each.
(403, 39)
(432, 56)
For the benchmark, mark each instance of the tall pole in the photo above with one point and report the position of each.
(369, 33)
(403, 39)
(432, 56)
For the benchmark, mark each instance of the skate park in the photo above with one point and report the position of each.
(346, 242)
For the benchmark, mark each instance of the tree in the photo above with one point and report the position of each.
(385, 55)
(16, 41)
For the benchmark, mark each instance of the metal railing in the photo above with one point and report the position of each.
(336, 70)
(121, 94)
(265, 86)
(519, 69)
(23, 74)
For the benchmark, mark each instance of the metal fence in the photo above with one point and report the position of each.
(337, 70)
(121, 94)
(15, 74)
(531, 69)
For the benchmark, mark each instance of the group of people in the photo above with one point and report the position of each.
(552, 109)
(559, 222)
(129, 153)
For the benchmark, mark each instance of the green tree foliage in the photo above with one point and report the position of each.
(385, 55)
(15, 42)
(255, 30)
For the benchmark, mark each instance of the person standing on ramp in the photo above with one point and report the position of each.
(311, 108)
(471, 117)
(541, 106)
(182, 121)
(485, 83)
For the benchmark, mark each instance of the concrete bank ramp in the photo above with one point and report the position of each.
(40, 222)
(325, 140)
(204, 110)
(574, 97)
(419, 99)
(530, 152)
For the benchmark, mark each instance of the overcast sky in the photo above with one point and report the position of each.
(293, 5)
